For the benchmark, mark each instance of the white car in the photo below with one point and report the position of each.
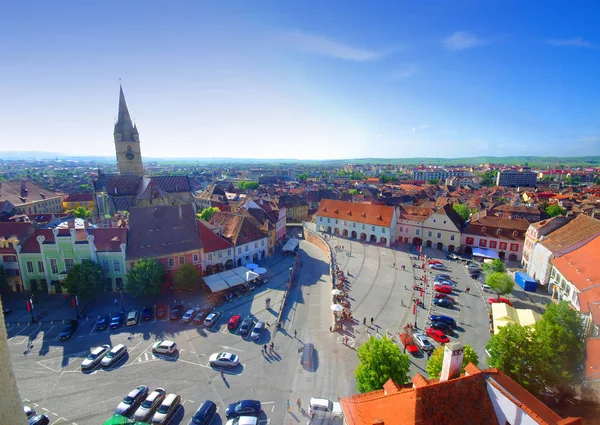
(95, 357)
(212, 319)
(164, 347)
(243, 420)
(422, 342)
(29, 412)
(258, 330)
(324, 408)
(189, 315)
(224, 359)
(437, 266)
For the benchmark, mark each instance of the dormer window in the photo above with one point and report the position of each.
(483, 229)
(515, 233)
(498, 231)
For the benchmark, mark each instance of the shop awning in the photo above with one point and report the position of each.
(485, 253)
(291, 245)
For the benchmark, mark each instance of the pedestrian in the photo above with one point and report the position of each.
(272, 346)
(365, 321)
(299, 403)
(222, 375)
(287, 404)
(394, 266)
(346, 340)
(265, 347)
(372, 320)
(295, 333)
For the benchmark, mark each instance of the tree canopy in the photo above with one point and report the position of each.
(86, 280)
(380, 360)
(145, 278)
(386, 178)
(500, 282)
(3, 280)
(462, 210)
(207, 213)
(187, 277)
(546, 355)
(244, 185)
(353, 192)
(554, 210)
(434, 364)
(81, 212)
(496, 266)
(302, 177)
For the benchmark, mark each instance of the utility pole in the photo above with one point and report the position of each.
(29, 304)
(75, 303)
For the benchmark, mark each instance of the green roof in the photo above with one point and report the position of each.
(120, 420)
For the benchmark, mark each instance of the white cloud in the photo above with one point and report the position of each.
(571, 42)
(406, 72)
(462, 40)
(328, 47)
(419, 128)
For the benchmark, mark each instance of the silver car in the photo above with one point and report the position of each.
(258, 330)
(149, 406)
(95, 357)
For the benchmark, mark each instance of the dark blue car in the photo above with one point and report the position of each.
(147, 313)
(102, 323)
(441, 318)
(243, 408)
(116, 321)
(205, 414)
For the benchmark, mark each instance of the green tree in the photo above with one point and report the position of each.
(433, 181)
(500, 282)
(302, 177)
(86, 280)
(554, 210)
(386, 178)
(207, 213)
(353, 192)
(85, 187)
(512, 351)
(81, 212)
(146, 277)
(462, 210)
(434, 364)
(244, 185)
(380, 360)
(187, 277)
(496, 266)
(488, 178)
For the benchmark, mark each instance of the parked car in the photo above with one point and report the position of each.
(434, 261)
(199, 319)
(474, 274)
(442, 276)
(29, 412)
(243, 408)
(445, 282)
(442, 318)
(441, 302)
(308, 353)
(68, 330)
(246, 325)
(164, 347)
(437, 266)
(102, 322)
(324, 408)
(212, 319)
(176, 312)
(243, 420)
(161, 311)
(205, 414)
(224, 360)
(233, 322)
(190, 314)
(149, 405)
(452, 256)
(442, 296)
(471, 265)
(116, 320)
(132, 318)
(436, 335)
(6, 311)
(95, 357)
(486, 288)
(258, 330)
(500, 300)
(444, 327)
(166, 409)
(147, 313)
(38, 420)
(446, 289)
(131, 402)
(114, 355)
(422, 342)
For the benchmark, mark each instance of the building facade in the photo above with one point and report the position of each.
(439, 228)
(29, 198)
(85, 200)
(536, 231)
(366, 222)
(11, 235)
(514, 178)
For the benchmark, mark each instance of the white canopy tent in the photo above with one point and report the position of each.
(244, 273)
(291, 245)
(215, 283)
(229, 279)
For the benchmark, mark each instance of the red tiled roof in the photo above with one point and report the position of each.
(211, 242)
(236, 228)
(580, 267)
(577, 230)
(497, 227)
(15, 231)
(377, 215)
(31, 245)
(108, 239)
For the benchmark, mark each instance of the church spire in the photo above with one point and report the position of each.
(124, 126)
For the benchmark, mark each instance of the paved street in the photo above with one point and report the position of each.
(50, 379)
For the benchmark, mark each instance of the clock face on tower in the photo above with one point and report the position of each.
(129, 155)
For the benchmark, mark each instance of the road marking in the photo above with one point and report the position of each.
(28, 336)
(231, 348)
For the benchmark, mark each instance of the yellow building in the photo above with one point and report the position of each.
(85, 200)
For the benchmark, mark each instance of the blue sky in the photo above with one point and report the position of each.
(303, 79)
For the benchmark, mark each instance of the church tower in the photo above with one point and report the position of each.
(127, 142)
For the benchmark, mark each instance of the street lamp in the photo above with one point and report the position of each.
(29, 304)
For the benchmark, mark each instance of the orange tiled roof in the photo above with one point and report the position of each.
(580, 267)
(377, 215)
(580, 228)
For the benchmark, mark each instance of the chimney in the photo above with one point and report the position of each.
(71, 223)
(180, 215)
(452, 363)
(23, 185)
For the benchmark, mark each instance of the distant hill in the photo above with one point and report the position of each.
(533, 161)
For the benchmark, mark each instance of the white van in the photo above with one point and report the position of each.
(132, 318)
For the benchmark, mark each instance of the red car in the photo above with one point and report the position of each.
(438, 336)
(500, 300)
(444, 297)
(161, 311)
(443, 288)
(435, 262)
(233, 322)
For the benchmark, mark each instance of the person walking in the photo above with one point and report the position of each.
(346, 340)
(265, 347)
(365, 321)
(372, 320)
(222, 375)
(295, 333)
(272, 346)
(299, 403)
(287, 405)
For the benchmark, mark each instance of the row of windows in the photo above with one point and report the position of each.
(116, 266)
(354, 225)
(429, 233)
(69, 263)
(493, 244)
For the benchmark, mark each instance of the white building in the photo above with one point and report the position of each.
(439, 228)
